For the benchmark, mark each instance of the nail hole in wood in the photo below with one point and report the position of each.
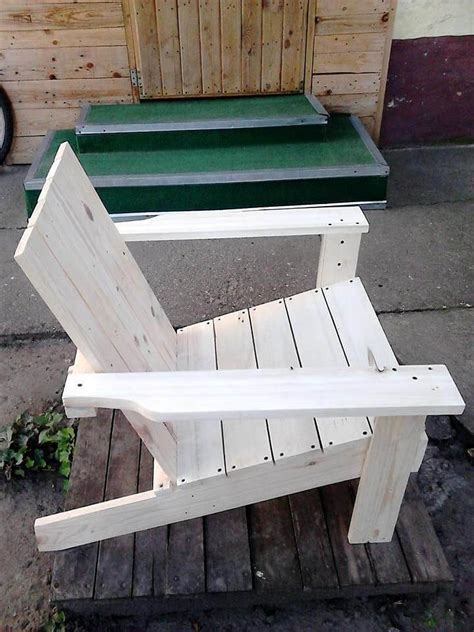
(342, 241)
(365, 432)
(281, 453)
(233, 467)
(219, 469)
(394, 369)
(312, 447)
(265, 458)
(414, 377)
(183, 480)
(79, 384)
(330, 443)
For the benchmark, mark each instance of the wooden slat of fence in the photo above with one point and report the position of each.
(209, 25)
(147, 45)
(170, 56)
(251, 45)
(189, 40)
(231, 46)
(272, 28)
(293, 45)
(61, 16)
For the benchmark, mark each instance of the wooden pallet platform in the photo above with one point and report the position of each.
(284, 550)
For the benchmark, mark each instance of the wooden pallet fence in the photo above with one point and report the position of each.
(55, 56)
(352, 43)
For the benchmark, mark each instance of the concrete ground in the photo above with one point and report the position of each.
(418, 268)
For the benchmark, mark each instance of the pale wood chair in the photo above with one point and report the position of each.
(308, 390)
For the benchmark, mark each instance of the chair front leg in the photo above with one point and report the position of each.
(384, 478)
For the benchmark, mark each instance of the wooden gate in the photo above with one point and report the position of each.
(215, 47)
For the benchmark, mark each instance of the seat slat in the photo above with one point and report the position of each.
(362, 336)
(246, 442)
(358, 327)
(275, 348)
(200, 450)
(319, 346)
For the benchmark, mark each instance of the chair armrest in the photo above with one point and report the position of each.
(269, 393)
(238, 223)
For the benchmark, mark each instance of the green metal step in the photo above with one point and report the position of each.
(289, 168)
(145, 126)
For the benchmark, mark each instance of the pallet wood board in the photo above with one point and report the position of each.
(67, 93)
(71, 63)
(351, 50)
(237, 559)
(79, 15)
(64, 38)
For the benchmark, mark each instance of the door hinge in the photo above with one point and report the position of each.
(136, 78)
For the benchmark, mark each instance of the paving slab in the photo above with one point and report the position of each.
(430, 174)
(414, 258)
(32, 375)
(22, 311)
(438, 337)
(12, 206)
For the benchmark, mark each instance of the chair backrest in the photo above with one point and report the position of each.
(81, 267)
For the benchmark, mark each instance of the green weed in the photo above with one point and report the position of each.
(37, 443)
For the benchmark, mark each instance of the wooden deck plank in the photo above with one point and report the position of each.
(149, 566)
(421, 547)
(275, 562)
(74, 570)
(387, 558)
(269, 527)
(185, 569)
(228, 566)
(352, 561)
(115, 560)
(312, 540)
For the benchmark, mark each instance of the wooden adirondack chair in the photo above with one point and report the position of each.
(308, 390)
